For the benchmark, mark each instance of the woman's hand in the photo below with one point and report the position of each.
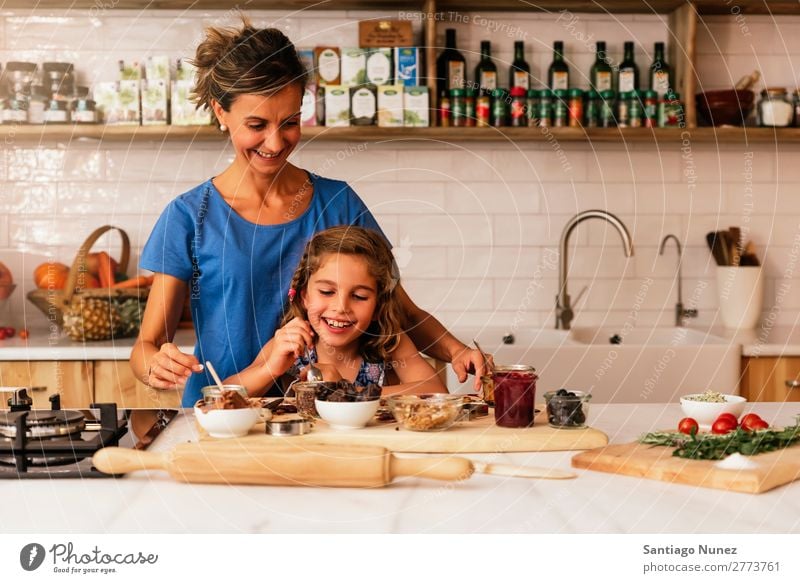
(169, 368)
(470, 361)
(289, 343)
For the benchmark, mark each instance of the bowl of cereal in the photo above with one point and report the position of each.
(426, 412)
(706, 407)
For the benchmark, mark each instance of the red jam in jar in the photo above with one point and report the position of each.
(514, 394)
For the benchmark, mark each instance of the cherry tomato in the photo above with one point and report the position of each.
(722, 426)
(10, 331)
(688, 426)
(2, 333)
(730, 417)
(753, 422)
(23, 333)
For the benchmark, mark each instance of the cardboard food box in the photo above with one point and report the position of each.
(380, 68)
(354, 67)
(337, 106)
(416, 104)
(309, 108)
(119, 102)
(363, 105)
(407, 66)
(182, 108)
(327, 65)
(390, 106)
(154, 101)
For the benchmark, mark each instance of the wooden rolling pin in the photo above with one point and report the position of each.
(237, 461)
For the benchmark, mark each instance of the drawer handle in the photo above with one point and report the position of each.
(39, 389)
(793, 384)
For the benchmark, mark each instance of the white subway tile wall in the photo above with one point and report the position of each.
(475, 226)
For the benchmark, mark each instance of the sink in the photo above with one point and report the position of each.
(650, 365)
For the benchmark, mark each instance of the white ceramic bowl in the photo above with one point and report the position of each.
(706, 413)
(227, 422)
(347, 415)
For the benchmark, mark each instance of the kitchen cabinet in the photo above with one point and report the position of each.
(682, 17)
(771, 378)
(74, 379)
(114, 382)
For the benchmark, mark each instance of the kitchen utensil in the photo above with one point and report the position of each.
(287, 427)
(427, 412)
(347, 414)
(314, 374)
(725, 247)
(735, 239)
(657, 463)
(740, 291)
(749, 257)
(291, 464)
(478, 436)
(705, 412)
(725, 107)
(714, 245)
(215, 376)
(485, 356)
(521, 471)
(228, 423)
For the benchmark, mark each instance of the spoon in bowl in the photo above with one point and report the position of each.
(314, 374)
(214, 374)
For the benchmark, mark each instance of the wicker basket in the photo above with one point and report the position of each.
(53, 302)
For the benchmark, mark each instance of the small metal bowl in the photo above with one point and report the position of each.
(288, 426)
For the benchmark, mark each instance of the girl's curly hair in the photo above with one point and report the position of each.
(247, 60)
(383, 334)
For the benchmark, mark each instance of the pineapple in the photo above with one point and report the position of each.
(91, 319)
(130, 310)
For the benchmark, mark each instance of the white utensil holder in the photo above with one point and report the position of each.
(741, 295)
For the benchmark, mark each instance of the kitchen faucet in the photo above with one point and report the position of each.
(564, 313)
(680, 313)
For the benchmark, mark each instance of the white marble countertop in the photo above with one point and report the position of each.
(41, 345)
(151, 502)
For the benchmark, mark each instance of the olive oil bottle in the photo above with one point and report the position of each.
(628, 71)
(558, 74)
(660, 73)
(601, 74)
(486, 71)
(520, 72)
(451, 66)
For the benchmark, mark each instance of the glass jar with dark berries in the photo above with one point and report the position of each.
(567, 409)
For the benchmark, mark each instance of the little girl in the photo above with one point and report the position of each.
(344, 309)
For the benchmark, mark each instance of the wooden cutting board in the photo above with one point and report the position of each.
(478, 436)
(656, 462)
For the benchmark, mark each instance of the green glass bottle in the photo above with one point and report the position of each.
(558, 74)
(520, 72)
(601, 74)
(451, 66)
(628, 71)
(660, 73)
(486, 71)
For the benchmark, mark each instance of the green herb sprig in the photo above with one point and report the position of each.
(710, 446)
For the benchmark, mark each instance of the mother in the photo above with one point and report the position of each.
(234, 240)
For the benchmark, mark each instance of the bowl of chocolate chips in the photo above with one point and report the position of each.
(344, 405)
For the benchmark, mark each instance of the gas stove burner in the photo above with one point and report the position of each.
(43, 424)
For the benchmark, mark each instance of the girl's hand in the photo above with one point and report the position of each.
(469, 360)
(289, 343)
(169, 368)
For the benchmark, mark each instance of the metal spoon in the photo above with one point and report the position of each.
(314, 374)
(483, 354)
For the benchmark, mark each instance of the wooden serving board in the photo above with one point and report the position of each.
(478, 436)
(774, 469)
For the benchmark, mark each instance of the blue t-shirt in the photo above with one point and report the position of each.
(239, 272)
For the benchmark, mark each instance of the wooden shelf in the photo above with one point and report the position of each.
(596, 6)
(55, 134)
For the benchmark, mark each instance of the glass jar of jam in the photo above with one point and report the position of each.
(514, 391)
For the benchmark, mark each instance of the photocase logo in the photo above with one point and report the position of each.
(403, 253)
(31, 556)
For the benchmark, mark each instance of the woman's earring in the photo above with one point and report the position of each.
(223, 127)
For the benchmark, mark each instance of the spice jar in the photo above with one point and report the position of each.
(37, 105)
(650, 109)
(591, 116)
(514, 393)
(18, 76)
(560, 109)
(545, 112)
(445, 111)
(670, 111)
(499, 115)
(83, 110)
(458, 108)
(575, 108)
(635, 110)
(796, 121)
(15, 111)
(519, 107)
(774, 109)
(607, 119)
(623, 109)
(57, 111)
(483, 109)
(469, 107)
(59, 79)
(533, 107)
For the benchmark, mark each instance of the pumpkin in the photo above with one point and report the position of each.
(5, 275)
(51, 275)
